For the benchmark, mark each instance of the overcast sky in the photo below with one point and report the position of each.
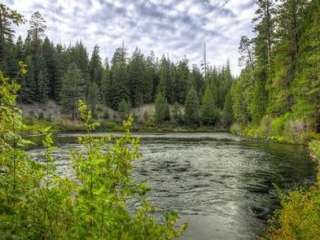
(176, 28)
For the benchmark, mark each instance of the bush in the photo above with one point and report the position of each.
(278, 125)
(41, 116)
(191, 115)
(35, 203)
(106, 115)
(162, 112)
(299, 216)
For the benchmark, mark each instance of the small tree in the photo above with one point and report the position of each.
(192, 108)
(107, 188)
(93, 97)
(209, 112)
(227, 115)
(161, 109)
(177, 114)
(72, 89)
(26, 185)
(124, 109)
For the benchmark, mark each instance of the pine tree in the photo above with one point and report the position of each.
(124, 109)
(192, 108)
(95, 67)
(148, 79)
(106, 85)
(182, 81)
(164, 78)
(136, 75)
(38, 66)
(161, 109)
(227, 114)
(73, 89)
(50, 57)
(209, 110)
(78, 54)
(43, 84)
(242, 91)
(263, 42)
(28, 83)
(8, 18)
(306, 86)
(61, 64)
(93, 97)
(289, 19)
(197, 80)
(119, 78)
(177, 114)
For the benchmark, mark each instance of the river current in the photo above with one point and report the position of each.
(222, 185)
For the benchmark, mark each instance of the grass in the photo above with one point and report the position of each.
(67, 125)
(299, 216)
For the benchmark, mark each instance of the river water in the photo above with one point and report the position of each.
(222, 185)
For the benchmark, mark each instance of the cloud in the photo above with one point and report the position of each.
(174, 27)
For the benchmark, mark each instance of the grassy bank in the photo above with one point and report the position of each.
(66, 125)
(299, 217)
(283, 129)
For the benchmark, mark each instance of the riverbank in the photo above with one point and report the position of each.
(69, 126)
(211, 175)
(290, 127)
(299, 215)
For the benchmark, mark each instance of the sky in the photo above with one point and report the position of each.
(175, 28)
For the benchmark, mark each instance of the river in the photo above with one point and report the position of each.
(222, 185)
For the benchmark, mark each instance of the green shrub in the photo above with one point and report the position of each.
(41, 116)
(236, 129)
(299, 216)
(278, 125)
(106, 115)
(35, 203)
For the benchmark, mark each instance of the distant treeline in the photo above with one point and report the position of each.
(66, 74)
(278, 90)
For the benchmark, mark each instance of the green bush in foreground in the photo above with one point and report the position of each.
(35, 203)
(299, 217)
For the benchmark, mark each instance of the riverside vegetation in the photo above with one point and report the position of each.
(38, 204)
(276, 97)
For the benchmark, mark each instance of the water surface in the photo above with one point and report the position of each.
(222, 185)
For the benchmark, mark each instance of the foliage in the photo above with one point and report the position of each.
(93, 97)
(36, 203)
(25, 186)
(137, 78)
(191, 115)
(161, 109)
(315, 148)
(124, 108)
(177, 113)
(209, 111)
(107, 187)
(279, 85)
(227, 114)
(9, 17)
(299, 216)
(72, 89)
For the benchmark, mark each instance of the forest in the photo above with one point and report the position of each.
(67, 74)
(276, 97)
(278, 90)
